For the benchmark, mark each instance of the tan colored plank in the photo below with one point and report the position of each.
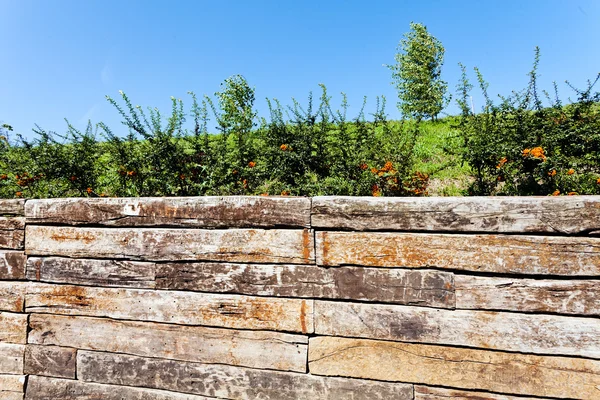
(12, 296)
(188, 308)
(241, 245)
(566, 215)
(455, 367)
(209, 345)
(12, 264)
(223, 381)
(12, 207)
(135, 274)
(540, 334)
(11, 383)
(59, 362)
(483, 253)
(430, 393)
(42, 388)
(577, 297)
(423, 287)
(11, 396)
(198, 212)
(12, 233)
(13, 328)
(11, 358)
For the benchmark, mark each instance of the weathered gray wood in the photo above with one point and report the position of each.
(11, 383)
(188, 308)
(567, 215)
(483, 253)
(12, 296)
(423, 287)
(12, 233)
(259, 349)
(229, 382)
(579, 297)
(455, 367)
(12, 264)
(13, 328)
(430, 393)
(42, 388)
(59, 362)
(11, 358)
(241, 245)
(203, 212)
(12, 207)
(136, 274)
(541, 334)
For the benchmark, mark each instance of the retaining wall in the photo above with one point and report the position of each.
(297, 298)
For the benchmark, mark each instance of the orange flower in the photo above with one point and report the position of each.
(388, 166)
(556, 193)
(19, 194)
(89, 190)
(245, 183)
(552, 173)
(374, 170)
(3, 177)
(264, 194)
(363, 166)
(182, 177)
(130, 173)
(503, 161)
(536, 152)
(598, 181)
(234, 172)
(283, 147)
(573, 193)
(571, 171)
(375, 190)
(252, 164)
(285, 193)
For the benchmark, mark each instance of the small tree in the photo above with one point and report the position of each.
(417, 74)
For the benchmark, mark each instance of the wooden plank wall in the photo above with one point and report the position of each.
(300, 298)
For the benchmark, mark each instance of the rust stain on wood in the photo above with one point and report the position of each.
(306, 244)
(303, 316)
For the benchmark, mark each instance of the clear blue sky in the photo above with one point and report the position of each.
(61, 57)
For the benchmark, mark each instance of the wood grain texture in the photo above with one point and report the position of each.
(43, 388)
(13, 328)
(429, 393)
(11, 396)
(565, 215)
(15, 207)
(11, 358)
(59, 362)
(11, 383)
(209, 345)
(576, 297)
(241, 245)
(12, 264)
(223, 381)
(12, 232)
(198, 212)
(422, 287)
(483, 253)
(187, 308)
(455, 367)
(540, 334)
(12, 296)
(136, 274)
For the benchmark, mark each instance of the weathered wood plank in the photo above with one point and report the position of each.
(11, 383)
(42, 388)
(11, 396)
(422, 287)
(455, 367)
(229, 382)
(12, 233)
(11, 358)
(430, 393)
(12, 296)
(135, 274)
(567, 215)
(257, 349)
(12, 264)
(59, 362)
(241, 245)
(13, 328)
(483, 253)
(578, 297)
(12, 207)
(187, 308)
(540, 334)
(203, 212)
